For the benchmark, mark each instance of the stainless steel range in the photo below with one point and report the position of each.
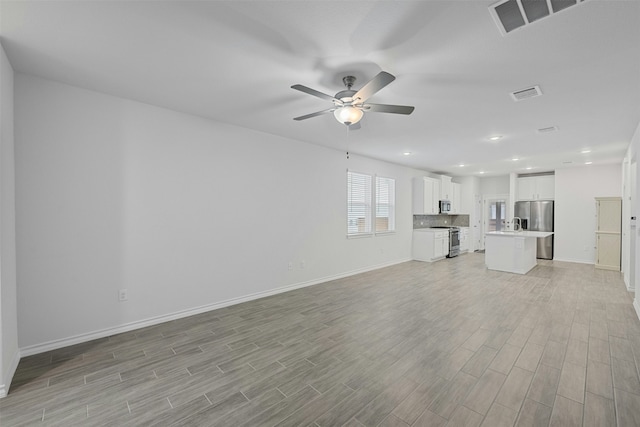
(454, 241)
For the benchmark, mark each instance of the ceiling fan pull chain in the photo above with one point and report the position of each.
(347, 142)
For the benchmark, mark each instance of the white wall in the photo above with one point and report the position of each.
(470, 185)
(632, 155)
(626, 215)
(575, 209)
(629, 200)
(491, 185)
(470, 188)
(9, 353)
(182, 211)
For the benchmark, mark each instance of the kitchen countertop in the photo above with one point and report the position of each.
(436, 228)
(526, 233)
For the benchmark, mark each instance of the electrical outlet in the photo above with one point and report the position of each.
(123, 295)
(290, 265)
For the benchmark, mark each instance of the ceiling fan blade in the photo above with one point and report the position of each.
(314, 92)
(354, 126)
(385, 108)
(375, 84)
(317, 113)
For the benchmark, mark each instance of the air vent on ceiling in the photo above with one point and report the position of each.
(530, 92)
(524, 175)
(548, 129)
(510, 15)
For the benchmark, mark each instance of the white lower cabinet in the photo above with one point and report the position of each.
(608, 251)
(464, 239)
(430, 244)
(608, 227)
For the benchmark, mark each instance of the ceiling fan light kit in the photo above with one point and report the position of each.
(348, 115)
(349, 105)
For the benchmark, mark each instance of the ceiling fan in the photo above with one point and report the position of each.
(349, 105)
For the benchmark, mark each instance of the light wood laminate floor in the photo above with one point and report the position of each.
(416, 344)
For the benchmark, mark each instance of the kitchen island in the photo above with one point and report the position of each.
(512, 251)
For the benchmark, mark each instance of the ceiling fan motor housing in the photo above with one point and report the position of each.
(345, 94)
(348, 81)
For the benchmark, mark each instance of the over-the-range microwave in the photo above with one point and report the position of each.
(445, 206)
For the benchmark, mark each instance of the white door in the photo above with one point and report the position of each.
(494, 215)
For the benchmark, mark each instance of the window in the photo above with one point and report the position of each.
(360, 206)
(358, 203)
(385, 204)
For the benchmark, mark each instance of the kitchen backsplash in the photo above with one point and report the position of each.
(427, 221)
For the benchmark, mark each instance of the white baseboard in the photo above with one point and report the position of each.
(625, 278)
(8, 376)
(77, 339)
(636, 305)
(577, 261)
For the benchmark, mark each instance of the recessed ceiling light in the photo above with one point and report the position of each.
(495, 138)
(585, 151)
(406, 153)
(481, 172)
(529, 168)
(515, 159)
(587, 163)
(461, 165)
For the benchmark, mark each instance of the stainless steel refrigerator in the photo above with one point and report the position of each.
(538, 216)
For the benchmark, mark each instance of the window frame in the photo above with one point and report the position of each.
(371, 184)
(368, 204)
(391, 206)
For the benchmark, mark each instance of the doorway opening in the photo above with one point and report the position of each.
(494, 215)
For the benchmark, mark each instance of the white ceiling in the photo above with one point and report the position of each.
(234, 61)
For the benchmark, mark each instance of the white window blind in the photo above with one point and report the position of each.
(385, 204)
(358, 203)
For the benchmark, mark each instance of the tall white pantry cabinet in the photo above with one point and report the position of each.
(608, 232)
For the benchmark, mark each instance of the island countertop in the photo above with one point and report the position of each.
(525, 233)
(512, 251)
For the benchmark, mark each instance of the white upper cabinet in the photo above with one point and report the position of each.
(456, 189)
(526, 188)
(426, 195)
(536, 187)
(546, 187)
(445, 188)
